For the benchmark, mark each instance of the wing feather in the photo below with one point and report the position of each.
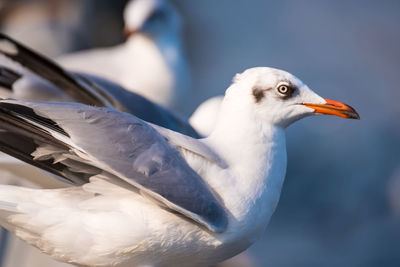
(191, 145)
(94, 140)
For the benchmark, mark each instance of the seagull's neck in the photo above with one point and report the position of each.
(256, 155)
(169, 44)
(167, 50)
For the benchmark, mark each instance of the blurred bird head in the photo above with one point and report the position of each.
(153, 17)
(279, 98)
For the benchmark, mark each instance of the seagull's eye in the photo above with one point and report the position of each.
(285, 90)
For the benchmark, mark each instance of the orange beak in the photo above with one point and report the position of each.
(334, 108)
(129, 32)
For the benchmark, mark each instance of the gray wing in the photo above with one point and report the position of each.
(140, 106)
(83, 141)
(191, 145)
(54, 83)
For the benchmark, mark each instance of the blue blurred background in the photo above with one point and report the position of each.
(340, 205)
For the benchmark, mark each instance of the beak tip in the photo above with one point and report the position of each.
(354, 116)
(352, 113)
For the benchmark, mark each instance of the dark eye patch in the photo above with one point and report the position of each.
(259, 94)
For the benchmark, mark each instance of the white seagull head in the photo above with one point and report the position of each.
(279, 98)
(150, 16)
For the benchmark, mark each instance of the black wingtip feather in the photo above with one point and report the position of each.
(29, 113)
(20, 138)
(52, 72)
(8, 77)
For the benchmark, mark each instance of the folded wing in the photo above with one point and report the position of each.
(77, 141)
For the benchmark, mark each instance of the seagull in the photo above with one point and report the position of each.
(151, 62)
(27, 75)
(144, 195)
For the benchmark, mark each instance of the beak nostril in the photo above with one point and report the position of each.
(336, 106)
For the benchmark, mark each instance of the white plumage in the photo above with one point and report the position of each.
(204, 118)
(151, 62)
(110, 222)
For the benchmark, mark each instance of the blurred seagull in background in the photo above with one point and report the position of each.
(151, 62)
(27, 75)
(146, 195)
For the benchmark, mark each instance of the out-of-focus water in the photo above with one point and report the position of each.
(340, 204)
